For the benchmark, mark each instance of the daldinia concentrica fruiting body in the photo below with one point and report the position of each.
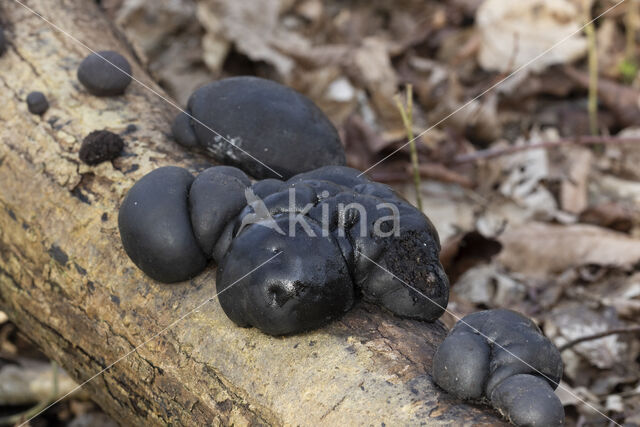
(303, 288)
(105, 73)
(292, 254)
(501, 356)
(37, 103)
(155, 227)
(276, 125)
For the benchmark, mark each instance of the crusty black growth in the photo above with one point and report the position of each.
(275, 124)
(100, 146)
(478, 361)
(170, 223)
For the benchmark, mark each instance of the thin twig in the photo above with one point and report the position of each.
(512, 149)
(631, 26)
(407, 120)
(19, 418)
(629, 330)
(590, 31)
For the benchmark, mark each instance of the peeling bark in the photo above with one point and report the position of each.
(67, 283)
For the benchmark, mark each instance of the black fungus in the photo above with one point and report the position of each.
(214, 200)
(334, 233)
(305, 286)
(182, 131)
(105, 73)
(503, 357)
(3, 41)
(155, 227)
(100, 146)
(276, 125)
(37, 103)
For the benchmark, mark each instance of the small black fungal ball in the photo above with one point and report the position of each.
(37, 103)
(274, 124)
(502, 356)
(100, 146)
(155, 227)
(105, 73)
(336, 235)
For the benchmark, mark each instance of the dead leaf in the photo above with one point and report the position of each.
(31, 383)
(515, 32)
(623, 100)
(538, 250)
(574, 320)
(149, 24)
(488, 286)
(573, 187)
(610, 214)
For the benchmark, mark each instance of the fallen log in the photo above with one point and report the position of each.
(68, 285)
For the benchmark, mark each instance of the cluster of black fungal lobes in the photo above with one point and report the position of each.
(172, 224)
(502, 357)
(281, 282)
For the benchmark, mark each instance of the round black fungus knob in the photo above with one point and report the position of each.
(100, 146)
(155, 227)
(273, 123)
(215, 199)
(182, 130)
(502, 356)
(37, 103)
(528, 400)
(336, 234)
(105, 73)
(304, 287)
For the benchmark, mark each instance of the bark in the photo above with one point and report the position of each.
(67, 283)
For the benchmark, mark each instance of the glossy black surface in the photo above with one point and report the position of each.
(155, 227)
(503, 356)
(215, 199)
(273, 123)
(37, 103)
(106, 73)
(304, 287)
(330, 254)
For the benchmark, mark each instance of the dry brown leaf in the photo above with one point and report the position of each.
(622, 100)
(31, 383)
(521, 176)
(255, 30)
(574, 320)
(489, 286)
(538, 249)
(573, 188)
(515, 32)
(148, 24)
(617, 216)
